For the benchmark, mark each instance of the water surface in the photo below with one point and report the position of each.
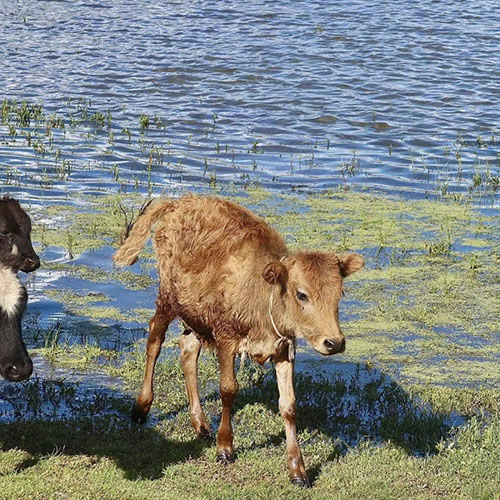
(394, 96)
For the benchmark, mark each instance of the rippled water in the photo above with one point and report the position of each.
(396, 96)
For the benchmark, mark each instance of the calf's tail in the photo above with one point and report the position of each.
(128, 252)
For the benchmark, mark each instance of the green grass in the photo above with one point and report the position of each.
(363, 436)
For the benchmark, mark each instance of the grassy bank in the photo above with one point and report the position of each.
(363, 436)
(411, 409)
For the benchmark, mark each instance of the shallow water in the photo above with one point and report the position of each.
(392, 96)
(60, 393)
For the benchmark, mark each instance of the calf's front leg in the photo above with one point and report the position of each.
(284, 375)
(228, 390)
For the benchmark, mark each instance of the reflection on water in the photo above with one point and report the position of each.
(59, 393)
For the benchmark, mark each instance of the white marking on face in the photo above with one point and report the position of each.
(15, 250)
(10, 290)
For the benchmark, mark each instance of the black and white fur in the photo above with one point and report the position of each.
(15, 363)
(16, 253)
(16, 250)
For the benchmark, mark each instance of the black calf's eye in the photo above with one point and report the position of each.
(4, 233)
(302, 296)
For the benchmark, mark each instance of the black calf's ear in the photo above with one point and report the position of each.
(349, 263)
(275, 272)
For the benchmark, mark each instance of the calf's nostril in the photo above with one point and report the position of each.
(329, 344)
(16, 373)
(34, 263)
(11, 373)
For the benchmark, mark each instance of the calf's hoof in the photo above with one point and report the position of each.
(225, 458)
(303, 482)
(204, 433)
(138, 414)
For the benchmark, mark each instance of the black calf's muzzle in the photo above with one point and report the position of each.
(30, 264)
(19, 371)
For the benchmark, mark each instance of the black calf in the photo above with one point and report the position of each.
(16, 250)
(15, 364)
(16, 253)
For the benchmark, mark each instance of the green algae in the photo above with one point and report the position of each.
(78, 304)
(77, 357)
(101, 312)
(420, 297)
(358, 220)
(476, 242)
(126, 278)
(141, 315)
(93, 223)
(458, 372)
(72, 299)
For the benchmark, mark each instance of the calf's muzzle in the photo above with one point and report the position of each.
(17, 371)
(30, 264)
(334, 346)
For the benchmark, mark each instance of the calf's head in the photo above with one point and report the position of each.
(308, 288)
(15, 364)
(16, 250)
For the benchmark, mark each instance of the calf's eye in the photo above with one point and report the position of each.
(302, 296)
(4, 233)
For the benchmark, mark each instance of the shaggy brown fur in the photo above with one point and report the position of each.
(229, 275)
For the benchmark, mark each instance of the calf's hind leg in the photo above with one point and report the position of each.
(190, 352)
(157, 328)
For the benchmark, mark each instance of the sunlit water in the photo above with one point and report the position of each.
(389, 95)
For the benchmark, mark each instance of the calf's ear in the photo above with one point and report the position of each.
(275, 272)
(349, 263)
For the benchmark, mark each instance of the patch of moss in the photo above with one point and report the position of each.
(126, 278)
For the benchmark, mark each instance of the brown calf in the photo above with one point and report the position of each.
(231, 279)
